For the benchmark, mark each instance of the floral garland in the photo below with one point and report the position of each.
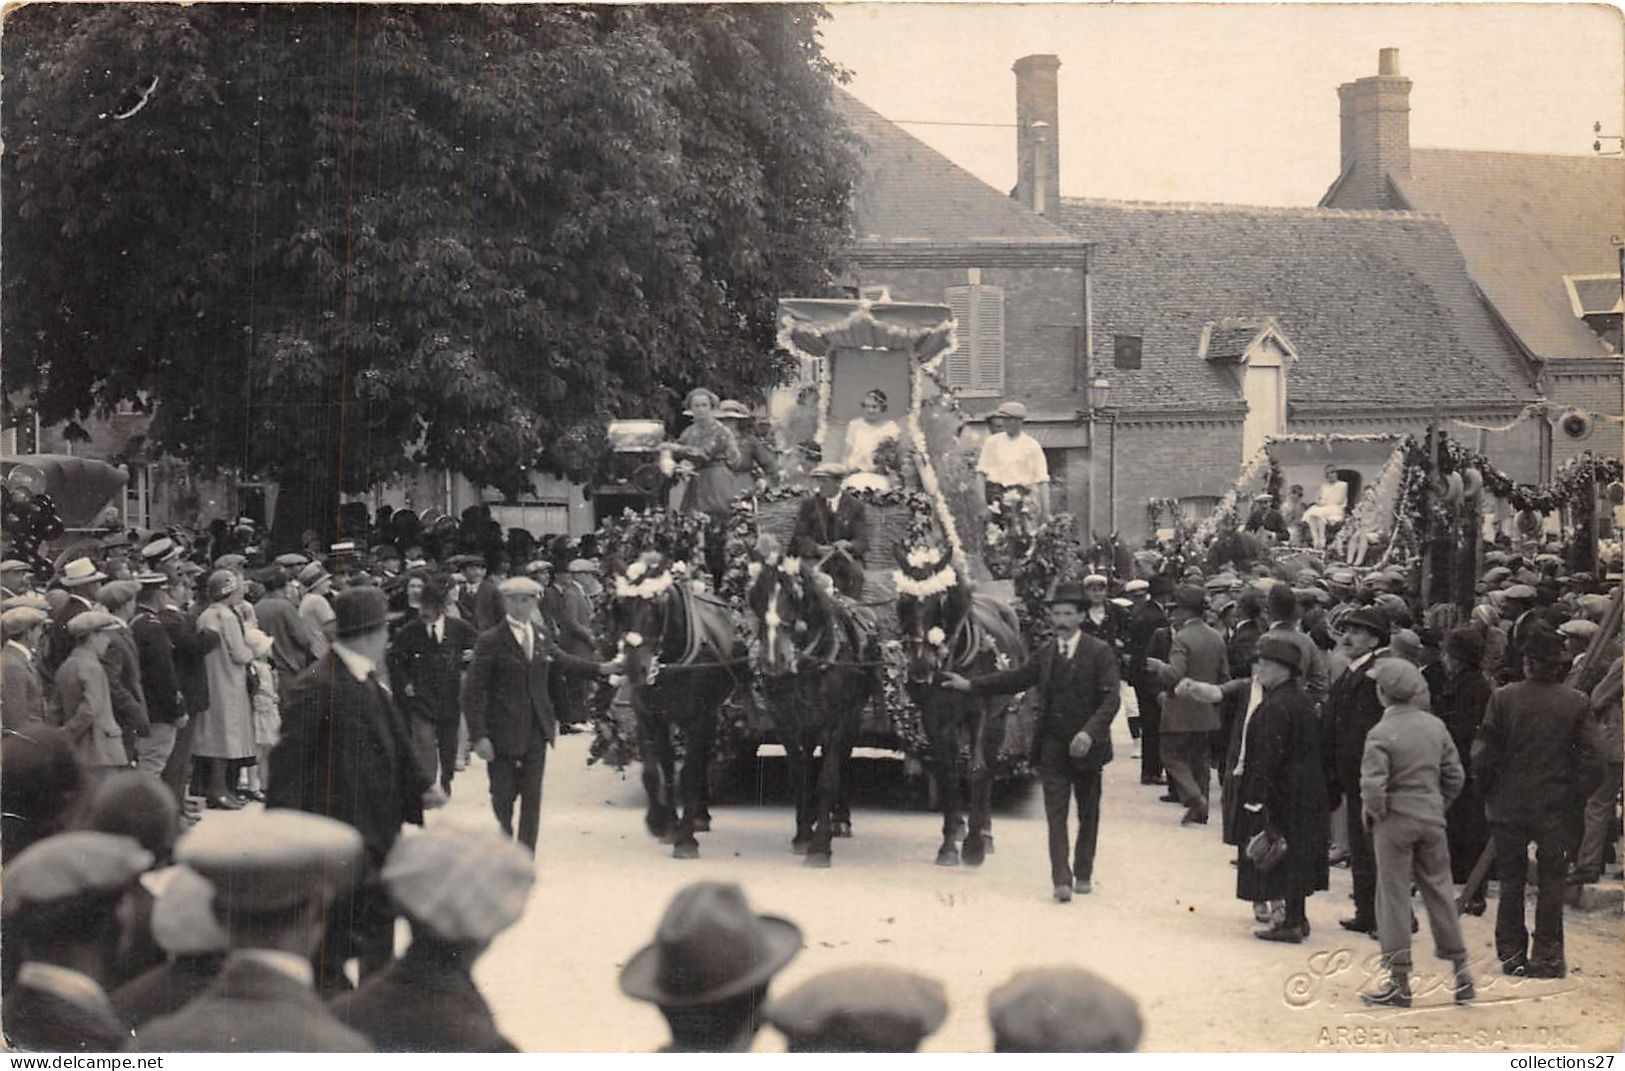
(1056, 558)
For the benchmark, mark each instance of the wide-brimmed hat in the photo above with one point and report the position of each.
(360, 609)
(709, 946)
(1010, 411)
(79, 572)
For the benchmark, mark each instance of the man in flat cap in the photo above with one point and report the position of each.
(275, 876)
(832, 528)
(1062, 1009)
(61, 907)
(458, 891)
(346, 753)
(426, 661)
(509, 709)
(1012, 458)
(1538, 750)
(184, 927)
(1409, 775)
(123, 664)
(1077, 682)
(860, 1009)
(709, 967)
(82, 690)
(16, 577)
(1197, 654)
(22, 685)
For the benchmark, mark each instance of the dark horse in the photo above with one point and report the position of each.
(945, 627)
(683, 659)
(819, 666)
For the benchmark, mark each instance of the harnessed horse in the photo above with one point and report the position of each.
(819, 666)
(679, 647)
(945, 627)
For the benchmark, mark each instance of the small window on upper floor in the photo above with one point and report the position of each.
(1126, 351)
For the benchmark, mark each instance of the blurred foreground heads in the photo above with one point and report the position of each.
(1062, 1009)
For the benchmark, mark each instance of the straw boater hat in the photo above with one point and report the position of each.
(79, 572)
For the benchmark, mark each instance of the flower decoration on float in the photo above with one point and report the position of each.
(936, 637)
(652, 584)
(942, 580)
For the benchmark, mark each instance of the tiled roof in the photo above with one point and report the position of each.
(1524, 221)
(1230, 340)
(911, 191)
(1378, 305)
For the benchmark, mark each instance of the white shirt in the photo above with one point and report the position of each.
(289, 964)
(834, 503)
(525, 635)
(360, 666)
(1068, 648)
(26, 652)
(1017, 462)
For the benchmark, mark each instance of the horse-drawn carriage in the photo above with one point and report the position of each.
(807, 669)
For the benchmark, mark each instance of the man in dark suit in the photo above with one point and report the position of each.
(1144, 619)
(1352, 708)
(833, 527)
(346, 753)
(275, 875)
(510, 714)
(1196, 654)
(80, 579)
(189, 645)
(1077, 682)
(426, 665)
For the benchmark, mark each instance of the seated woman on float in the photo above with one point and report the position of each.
(864, 437)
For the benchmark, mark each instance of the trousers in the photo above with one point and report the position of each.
(152, 751)
(520, 778)
(1512, 871)
(435, 744)
(360, 926)
(1410, 850)
(1185, 757)
(1062, 780)
(1599, 825)
(1150, 702)
(177, 772)
(1362, 861)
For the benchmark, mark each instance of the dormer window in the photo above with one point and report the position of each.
(1598, 301)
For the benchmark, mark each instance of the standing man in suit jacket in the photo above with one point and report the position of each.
(833, 527)
(426, 665)
(346, 753)
(1144, 620)
(1077, 681)
(1352, 709)
(80, 579)
(22, 689)
(1196, 654)
(166, 706)
(510, 715)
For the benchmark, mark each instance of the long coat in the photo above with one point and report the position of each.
(87, 711)
(426, 675)
(251, 1007)
(226, 729)
(506, 698)
(22, 689)
(1461, 703)
(190, 645)
(1351, 710)
(346, 753)
(1282, 771)
(159, 683)
(816, 524)
(1198, 653)
(423, 1002)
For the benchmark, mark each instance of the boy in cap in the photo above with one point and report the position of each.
(1538, 749)
(860, 1009)
(275, 875)
(1409, 776)
(1062, 1009)
(1077, 682)
(458, 891)
(87, 704)
(61, 907)
(346, 753)
(709, 967)
(22, 689)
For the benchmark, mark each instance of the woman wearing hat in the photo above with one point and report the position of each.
(225, 731)
(714, 452)
(864, 435)
(1461, 704)
(1282, 789)
(755, 450)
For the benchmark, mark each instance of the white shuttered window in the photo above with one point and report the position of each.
(976, 365)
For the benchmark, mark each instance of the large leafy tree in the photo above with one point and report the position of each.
(338, 242)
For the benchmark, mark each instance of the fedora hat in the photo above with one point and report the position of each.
(709, 946)
(79, 572)
(360, 609)
(1072, 593)
(1010, 411)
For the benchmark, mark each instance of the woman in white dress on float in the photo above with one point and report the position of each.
(1329, 509)
(863, 437)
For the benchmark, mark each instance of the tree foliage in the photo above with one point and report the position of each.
(338, 242)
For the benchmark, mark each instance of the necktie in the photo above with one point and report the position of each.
(530, 644)
(434, 630)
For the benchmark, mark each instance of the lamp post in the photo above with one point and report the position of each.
(1100, 391)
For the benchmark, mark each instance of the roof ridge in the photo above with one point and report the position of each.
(1284, 211)
(1520, 152)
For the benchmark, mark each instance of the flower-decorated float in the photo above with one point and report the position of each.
(916, 480)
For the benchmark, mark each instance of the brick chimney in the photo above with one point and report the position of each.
(1376, 134)
(1038, 148)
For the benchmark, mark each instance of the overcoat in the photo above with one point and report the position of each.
(1282, 772)
(226, 729)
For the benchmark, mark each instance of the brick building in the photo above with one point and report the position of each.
(1541, 235)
